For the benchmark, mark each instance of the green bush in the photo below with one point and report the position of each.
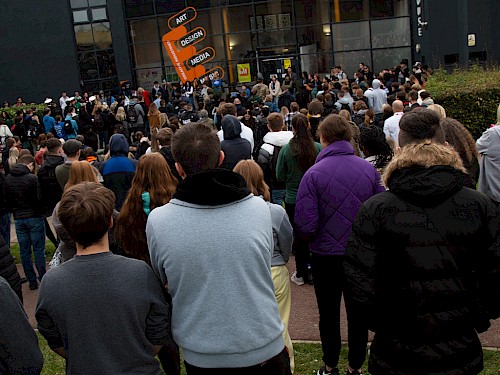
(11, 111)
(470, 96)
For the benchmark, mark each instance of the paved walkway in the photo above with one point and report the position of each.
(304, 315)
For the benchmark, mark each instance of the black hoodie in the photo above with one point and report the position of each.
(51, 190)
(234, 147)
(22, 192)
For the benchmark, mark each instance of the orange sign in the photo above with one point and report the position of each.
(179, 43)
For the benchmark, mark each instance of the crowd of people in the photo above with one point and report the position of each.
(176, 211)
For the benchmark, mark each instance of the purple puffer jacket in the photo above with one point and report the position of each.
(329, 196)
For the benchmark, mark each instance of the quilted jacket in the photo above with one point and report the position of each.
(329, 197)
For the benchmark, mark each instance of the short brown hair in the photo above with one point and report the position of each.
(53, 144)
(275, 122)
(85, 212)
(294, 107)
(164, 136)
(196, 148)
(315, 108)
(335, 128)
(26, 159)
(420, 126)
(227, 109)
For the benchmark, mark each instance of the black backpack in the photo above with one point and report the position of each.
(68, 127)
(346, 107)
(32, 132)
(272, 169)
(131, 115)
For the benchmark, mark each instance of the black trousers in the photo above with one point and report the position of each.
(328, 274)
(299, 247)
(278, 365)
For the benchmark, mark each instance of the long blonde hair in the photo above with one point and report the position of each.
(120, 114)
(254, 177)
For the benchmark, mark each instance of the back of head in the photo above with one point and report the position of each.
(227, 109)
(164, 136)
(80, 171)
(419, 126)
(196, 148)
(335, 128)
(460, 138)
(53, 146)
(294, 107)
(315, 108)
(26, 159)
(397, 106)
(203, 114)
(254, 177)
(345, 114)
(438, 109)
(376, 84)
(275, 122)
(85, 212)
(231, 127)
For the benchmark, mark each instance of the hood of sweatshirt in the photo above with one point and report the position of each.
(376, 84)
(231, 127)
(279, 139)
(19, 170)
(118, 145)
(212, 187)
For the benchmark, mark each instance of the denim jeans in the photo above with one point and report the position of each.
(31, 233)
(277, 196)
(5, 228)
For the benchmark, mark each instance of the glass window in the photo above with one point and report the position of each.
(84, 38)
(102, 35)
(94, 3)
(109, 84)
(211, 20)
(391, 33)
(146, 55)
(353, 10)
(316, 63)
(276, 38)
(390, 57)
(198, 4)
(349, 61)
(273, 15)
(312, 11)
(99, 14)
(351, 35)
(91, 87)
(169, 6)
(146, 77)
(241, 45)
(140, 8)
(80, 16)
(316, 34)
(106, 64)
(143, 31)
(238, 18)
(88, 65)
(78, 4)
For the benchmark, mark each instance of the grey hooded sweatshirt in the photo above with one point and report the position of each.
(488, 147)
(376, 97)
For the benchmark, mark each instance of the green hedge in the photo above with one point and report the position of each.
(470, 96)
(11, 111)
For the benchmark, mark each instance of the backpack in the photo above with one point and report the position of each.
(272, 169)
(346, 107)
(57, 130)
(68, 127)
(131, 115)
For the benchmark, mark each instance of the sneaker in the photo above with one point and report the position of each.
(323, 371)
(354, 372)
(24, 280)
(34, 286)
(297, 280)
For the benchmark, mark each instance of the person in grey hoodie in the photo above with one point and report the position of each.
(377, 97)
(224, 313)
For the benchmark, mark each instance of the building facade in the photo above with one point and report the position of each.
(92, 45)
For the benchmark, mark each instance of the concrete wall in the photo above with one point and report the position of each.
(37, 50)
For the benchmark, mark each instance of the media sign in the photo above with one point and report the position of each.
(180, 45)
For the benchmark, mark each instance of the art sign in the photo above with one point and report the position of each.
(180, 45)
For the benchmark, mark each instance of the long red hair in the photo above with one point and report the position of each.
(153, 176)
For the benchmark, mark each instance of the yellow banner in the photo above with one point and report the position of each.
(244, 73)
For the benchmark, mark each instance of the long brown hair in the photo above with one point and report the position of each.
(302, 144)
(153, 176)
(253, 175)
(80, 171)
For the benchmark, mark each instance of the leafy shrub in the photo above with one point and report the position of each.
(470, 96)
(11, 111)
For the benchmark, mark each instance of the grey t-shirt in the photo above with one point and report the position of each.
(107, 311)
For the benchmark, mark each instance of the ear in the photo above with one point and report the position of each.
(111, 222)
(180, 170)
(221, 158)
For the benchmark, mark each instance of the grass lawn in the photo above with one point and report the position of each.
(49, 251)
(307, 360)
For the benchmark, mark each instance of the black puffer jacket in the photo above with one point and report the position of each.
(423, 263)
(8, 269)
(51, 190)
(22, 193)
